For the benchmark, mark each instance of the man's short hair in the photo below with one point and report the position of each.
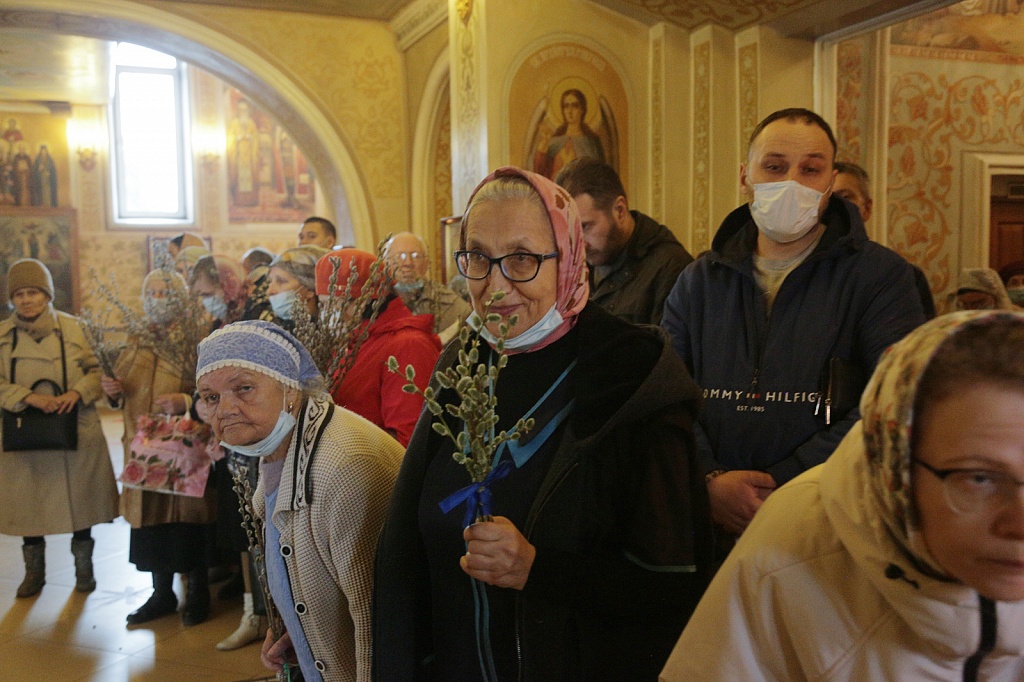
(861, 175)
(325, 223)
(593, 177)
(794, 114)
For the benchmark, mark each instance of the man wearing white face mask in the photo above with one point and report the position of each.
(783, 320)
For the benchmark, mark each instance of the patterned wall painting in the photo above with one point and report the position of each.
(852, 111)
(955, 87)
(986, 30)
(567, 101)
(269, 179)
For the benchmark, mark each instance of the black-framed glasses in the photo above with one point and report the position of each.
(970, 491)
(517, 267)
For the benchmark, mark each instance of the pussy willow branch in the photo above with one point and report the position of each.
(106, 350)
(175, 342)
(473, 382)
(377, 286)
(254, 530)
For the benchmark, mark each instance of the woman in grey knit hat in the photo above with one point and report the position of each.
(293, 280)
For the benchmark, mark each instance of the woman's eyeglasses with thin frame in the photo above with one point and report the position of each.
(970, 491)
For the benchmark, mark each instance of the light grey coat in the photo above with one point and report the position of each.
(54, 491)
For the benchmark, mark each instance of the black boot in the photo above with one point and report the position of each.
(197, 599)
(35, 570)
(81, 549)
(162, 602)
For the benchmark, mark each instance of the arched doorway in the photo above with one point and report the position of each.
(328, 150)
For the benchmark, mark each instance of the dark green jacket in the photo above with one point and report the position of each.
(637, 289)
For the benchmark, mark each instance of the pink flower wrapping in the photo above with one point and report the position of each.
(169, 456)
(134, 472)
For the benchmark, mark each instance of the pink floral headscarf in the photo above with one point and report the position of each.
(887, 409)
(573, 281)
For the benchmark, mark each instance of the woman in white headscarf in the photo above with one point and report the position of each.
(902, 556)
(982, 289)
(166, 529)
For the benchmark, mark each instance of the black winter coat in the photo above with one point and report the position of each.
(620, 524)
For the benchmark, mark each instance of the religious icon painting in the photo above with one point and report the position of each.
(566, 101)
(269, 177)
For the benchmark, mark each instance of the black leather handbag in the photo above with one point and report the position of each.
(33, 429)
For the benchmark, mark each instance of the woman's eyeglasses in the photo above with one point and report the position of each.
(516, 267)
(971, 491)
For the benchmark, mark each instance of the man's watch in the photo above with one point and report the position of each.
(713, 474)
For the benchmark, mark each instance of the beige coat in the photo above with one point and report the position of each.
(330, 508)
(144, 376)
(55, 491)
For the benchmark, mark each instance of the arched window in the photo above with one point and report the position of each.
(151, 164)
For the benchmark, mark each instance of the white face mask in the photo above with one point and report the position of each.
(216, 306)
(282, 303)
(158, 310)
(267, 446)
(785, 211)
(531, 337)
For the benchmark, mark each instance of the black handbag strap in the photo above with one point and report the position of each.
(63, 357)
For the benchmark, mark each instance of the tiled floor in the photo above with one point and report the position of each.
(66, 636)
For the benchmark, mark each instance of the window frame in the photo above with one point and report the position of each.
(186, 187)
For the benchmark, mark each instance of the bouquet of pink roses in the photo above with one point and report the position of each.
(170, 454)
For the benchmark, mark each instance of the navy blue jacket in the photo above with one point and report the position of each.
(764, 376)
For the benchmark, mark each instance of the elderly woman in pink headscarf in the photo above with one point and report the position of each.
(585, 550)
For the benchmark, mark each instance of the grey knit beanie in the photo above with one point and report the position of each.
(28, 272)
(300, 263)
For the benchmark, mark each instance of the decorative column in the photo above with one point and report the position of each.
(469, 99)
(715, 172)
(657, 121)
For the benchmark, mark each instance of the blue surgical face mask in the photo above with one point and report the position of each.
(216, 306)
(531, 337)
(1016, 295)
(282, 303)
(267, 446)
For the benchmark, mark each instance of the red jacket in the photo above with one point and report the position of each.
(370, 390)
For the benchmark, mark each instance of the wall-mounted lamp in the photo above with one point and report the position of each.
(210, 143)
(86, 158)
(84, 137)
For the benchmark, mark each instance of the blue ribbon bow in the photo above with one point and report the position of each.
(476, 494)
